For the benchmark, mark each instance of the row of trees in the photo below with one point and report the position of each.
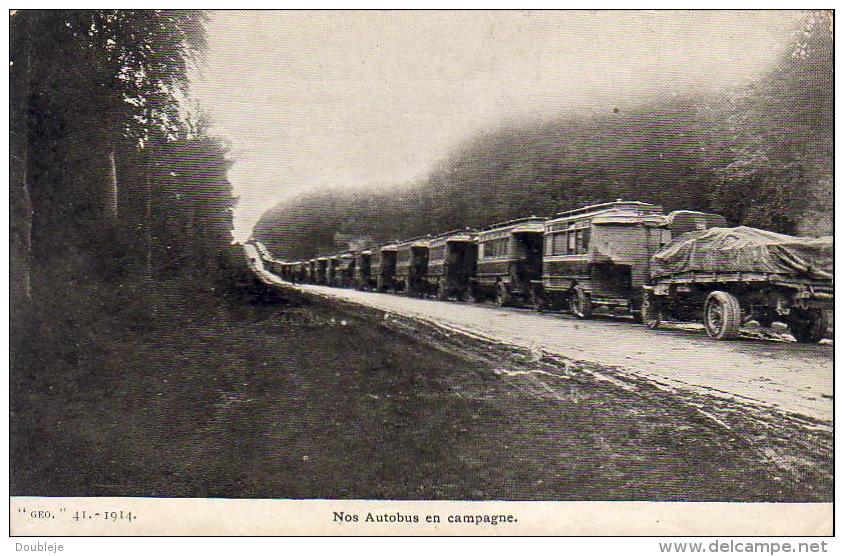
(114, 176)
(761, 156)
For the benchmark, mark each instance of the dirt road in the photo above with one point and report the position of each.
(790, 377)
(253, 392)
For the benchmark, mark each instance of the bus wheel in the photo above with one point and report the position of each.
(503, 295)
(651, 311)
(581, 303)
(472, 294)
(442, 291)
(722, 315)
(538, 299)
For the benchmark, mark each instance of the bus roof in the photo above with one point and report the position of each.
(616, 205)
(514, 222)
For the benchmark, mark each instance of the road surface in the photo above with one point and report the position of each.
(790, 377)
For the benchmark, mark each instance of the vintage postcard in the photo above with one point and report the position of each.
(494, 272)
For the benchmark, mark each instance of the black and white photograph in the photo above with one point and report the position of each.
(356, 258)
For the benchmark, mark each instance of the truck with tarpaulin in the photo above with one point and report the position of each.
(731, 276)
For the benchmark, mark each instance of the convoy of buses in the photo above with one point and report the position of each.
(594, 258)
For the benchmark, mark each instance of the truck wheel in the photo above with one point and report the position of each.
(472, 294)
(765, 320)
(810, 328)
(503, 295)
(651, 311)
(722, 315)
(538, 299)
(581, 303)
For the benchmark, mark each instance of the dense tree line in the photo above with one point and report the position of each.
(760, 155)
(115, 180)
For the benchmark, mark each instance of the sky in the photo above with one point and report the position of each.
(310, 100)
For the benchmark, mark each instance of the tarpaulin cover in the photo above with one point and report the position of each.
(746, 249)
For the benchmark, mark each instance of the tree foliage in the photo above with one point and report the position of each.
(112, 174)
(761, 156)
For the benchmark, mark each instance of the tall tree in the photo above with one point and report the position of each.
(101, 86)
(778, 136)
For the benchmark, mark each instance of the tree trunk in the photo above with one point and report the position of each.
(147, 223)
(20, 204)
(111, 188)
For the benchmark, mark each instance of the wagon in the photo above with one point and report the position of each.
(452, 264)
(263, 252)
(411, 266)
(276, 267)
(310, 271)
(343, 271)
(321, 268)
(509, 259)
(298, 272)
(599, 256)
(383, 267)
(364, 280)
(330, 270)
